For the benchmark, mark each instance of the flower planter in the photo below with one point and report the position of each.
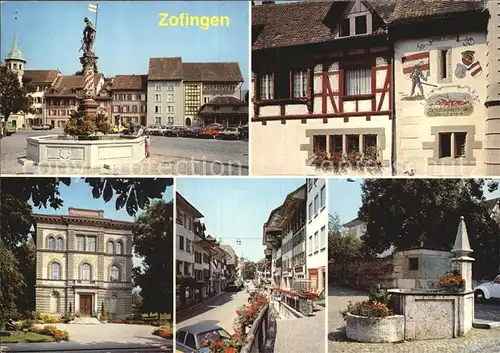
(375, 329)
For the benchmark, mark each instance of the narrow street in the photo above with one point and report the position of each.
(484, 341)
(217, 311)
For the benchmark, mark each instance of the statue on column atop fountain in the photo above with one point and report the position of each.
(88, 37)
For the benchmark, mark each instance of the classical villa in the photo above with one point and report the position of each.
(82, 261)
(415, 81)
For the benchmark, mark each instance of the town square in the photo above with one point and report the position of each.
(413, 265)
(86, 104)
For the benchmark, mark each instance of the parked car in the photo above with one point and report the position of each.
(195, 132)
(488, 290)
(37, 127)
(233, 287)
(174, 131)
(192, 336)
(8, 128)
(153, 129)
(230, 133)
(47, 127)
(211, 131)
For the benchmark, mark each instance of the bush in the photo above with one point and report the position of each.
(35, 315)
(367, 308)
(379, 295)
(50, 330)
(27, 324)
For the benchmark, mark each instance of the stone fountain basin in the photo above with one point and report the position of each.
(66, 151)
(375, 329)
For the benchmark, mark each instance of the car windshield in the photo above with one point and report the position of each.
(213, 335)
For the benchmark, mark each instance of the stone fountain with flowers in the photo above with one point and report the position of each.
(86, 143)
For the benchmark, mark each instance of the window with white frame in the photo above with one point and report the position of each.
(316, 205)
(157, 108)
(266, 87)
(158, 120)
(170, 120)
(86, 272)
(158, 87)
(316, 242)
(52, 243)
(111, 247)
(322, 198)
(60, 244)
(118, 249)
(323, 238)
(55, 270)
(80, 243)
(170, 97)
(309, 245)
(310, 211)
(300, 84)
(170, 87)
(114, 274)
(357, 81)
(188, 245)
(91, 242)
(157, 97)
(170, 109)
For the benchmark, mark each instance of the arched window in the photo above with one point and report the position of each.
(55, 303)
(51, 243)
(55, 271)
(60, 244)
(114, 273)
(118, 249)
(111, 247)
(86, 274)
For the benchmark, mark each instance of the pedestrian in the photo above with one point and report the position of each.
(148, 147)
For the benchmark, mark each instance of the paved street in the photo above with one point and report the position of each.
(301, 335)
(102, 337)
(477, 341)
(169, 156)
(218, 311)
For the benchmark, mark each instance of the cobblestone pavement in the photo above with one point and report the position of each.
(477, 341)
(301, 335)
(220, 311)
(169, 156)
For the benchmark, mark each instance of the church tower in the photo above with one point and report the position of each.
(15, 60)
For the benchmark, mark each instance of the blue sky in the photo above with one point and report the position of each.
(344, 197)
(127, 34)
(79, 195)
(236, 208)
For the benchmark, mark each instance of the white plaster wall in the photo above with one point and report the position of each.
(182, 255)
(413, 127)
(178, 102)
(320, 258)
(275, 147)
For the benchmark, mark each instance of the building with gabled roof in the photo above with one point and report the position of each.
(129, 99)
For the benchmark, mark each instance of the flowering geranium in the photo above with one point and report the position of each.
(452, 280)
(367, 308)
(81, 125)
(216, 344)
(51, 330)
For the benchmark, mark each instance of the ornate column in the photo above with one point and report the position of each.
(89, 64)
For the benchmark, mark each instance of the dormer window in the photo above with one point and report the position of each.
(345, 27)
(361, 24)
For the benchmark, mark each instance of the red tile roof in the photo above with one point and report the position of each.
(41, 76)
(310, 22)
(163, 69)
(225, 100)
(130, 82)
(212, 72)
(67, 86)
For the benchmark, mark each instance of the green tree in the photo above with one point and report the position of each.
(11, 284)
(14, 97)
(249, 270)
(26, 256)
(426, 212)
(153, 241)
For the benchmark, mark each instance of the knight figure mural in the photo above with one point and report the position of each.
(88, 37)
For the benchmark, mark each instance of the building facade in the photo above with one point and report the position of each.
(39, 82)
(83, 263)
(317, 233)
(380, 87)
(224, 110)
(129, 99)
(165, 95)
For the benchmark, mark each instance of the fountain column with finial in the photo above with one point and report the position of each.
(89, 69)
(462, 262)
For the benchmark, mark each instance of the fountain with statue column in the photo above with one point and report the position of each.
(440, 313)
(86, 143)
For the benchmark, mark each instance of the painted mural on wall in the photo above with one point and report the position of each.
(468, 64)
(451, 101)
(416, 67)
(466, 41)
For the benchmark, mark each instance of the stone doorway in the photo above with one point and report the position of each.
(85, 305)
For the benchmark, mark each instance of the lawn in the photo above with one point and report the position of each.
(19, 336)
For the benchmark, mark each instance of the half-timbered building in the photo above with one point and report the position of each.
(322, 87)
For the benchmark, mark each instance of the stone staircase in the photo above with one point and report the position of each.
(86, 321)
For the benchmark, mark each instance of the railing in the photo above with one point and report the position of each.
(302, 305)
(259, 332)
